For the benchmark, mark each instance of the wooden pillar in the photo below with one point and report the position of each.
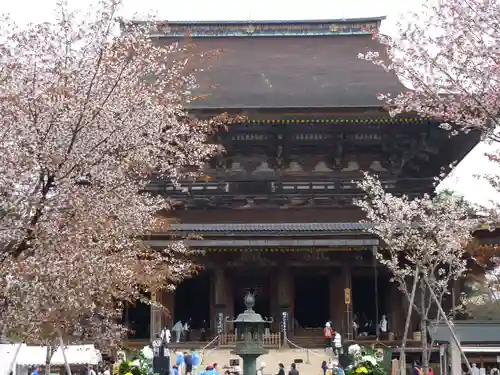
(284, 295)
(160, 315)
(396, 311)
(220, 288)
(229, 297)
(169, 305)
(275, 310)
(285, 292)
(154, 317)
(336, 298)
(348, 315)
(340, 311)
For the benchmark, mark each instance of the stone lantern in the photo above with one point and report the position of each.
(249, 328)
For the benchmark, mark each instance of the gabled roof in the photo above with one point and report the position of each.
(294, 72)
(287, 64)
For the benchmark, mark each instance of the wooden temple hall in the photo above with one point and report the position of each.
(274, 215)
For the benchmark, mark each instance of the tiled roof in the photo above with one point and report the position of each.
(292, 72)
(271, 227)
(468, 332)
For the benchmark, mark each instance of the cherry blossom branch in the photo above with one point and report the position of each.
(78, 101)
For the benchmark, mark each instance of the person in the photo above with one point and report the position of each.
(204, 329)
(106, 370)
(260, 369)
(324, 367)
(35, 371)
(337, 343)
(227, 372)
(92, 371)
(178, 328)
(355, 326)
(417, 369)
(165, 335)
(293, 369)
(216, 370)
(367, 326)
(237, 370)
(281, 369)
(187, 330)
(188, 362)
(430, 371)
(210, 370)
(175, 370)
(383, 324)
(328, 334)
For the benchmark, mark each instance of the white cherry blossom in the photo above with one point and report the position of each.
(424, 246)
(86, 116)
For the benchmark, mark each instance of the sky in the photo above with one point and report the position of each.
(462, 180)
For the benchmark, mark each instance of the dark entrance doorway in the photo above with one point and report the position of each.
(137, 318)
(312, 300)
(192, 300)
(257, 284)
(367, 297)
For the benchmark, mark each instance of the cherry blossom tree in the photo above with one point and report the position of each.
(86, 116)
(425, 241)
(447, 53)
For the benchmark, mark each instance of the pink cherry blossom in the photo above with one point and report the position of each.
(447, 55)
(86, 116)
(424, 247)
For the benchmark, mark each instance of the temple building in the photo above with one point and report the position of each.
(276, 215)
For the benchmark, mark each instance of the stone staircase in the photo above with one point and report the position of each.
(311, 359)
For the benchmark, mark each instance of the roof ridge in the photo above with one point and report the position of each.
(252, 28)
(273, 21)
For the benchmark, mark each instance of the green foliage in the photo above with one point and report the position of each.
(140, 365)
(364, 361)
(447, 194)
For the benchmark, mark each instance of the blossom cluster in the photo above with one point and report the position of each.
(447, 54)
(86, 117)
(363, 361)
(427, 235)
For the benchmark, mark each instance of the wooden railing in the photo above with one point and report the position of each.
(230, 339)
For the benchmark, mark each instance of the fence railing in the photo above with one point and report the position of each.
(209, 348)
(230, 339)
(308, 352)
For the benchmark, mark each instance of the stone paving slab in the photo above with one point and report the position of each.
(273, 358)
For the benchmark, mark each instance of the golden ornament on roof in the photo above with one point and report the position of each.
(250, 29)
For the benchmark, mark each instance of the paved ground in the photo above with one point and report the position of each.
(285, 356)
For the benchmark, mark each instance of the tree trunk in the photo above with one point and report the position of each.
(450, 327)
(63, 349)
(48, 357)
(423, 328)
(402, 354)
(12, 366)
